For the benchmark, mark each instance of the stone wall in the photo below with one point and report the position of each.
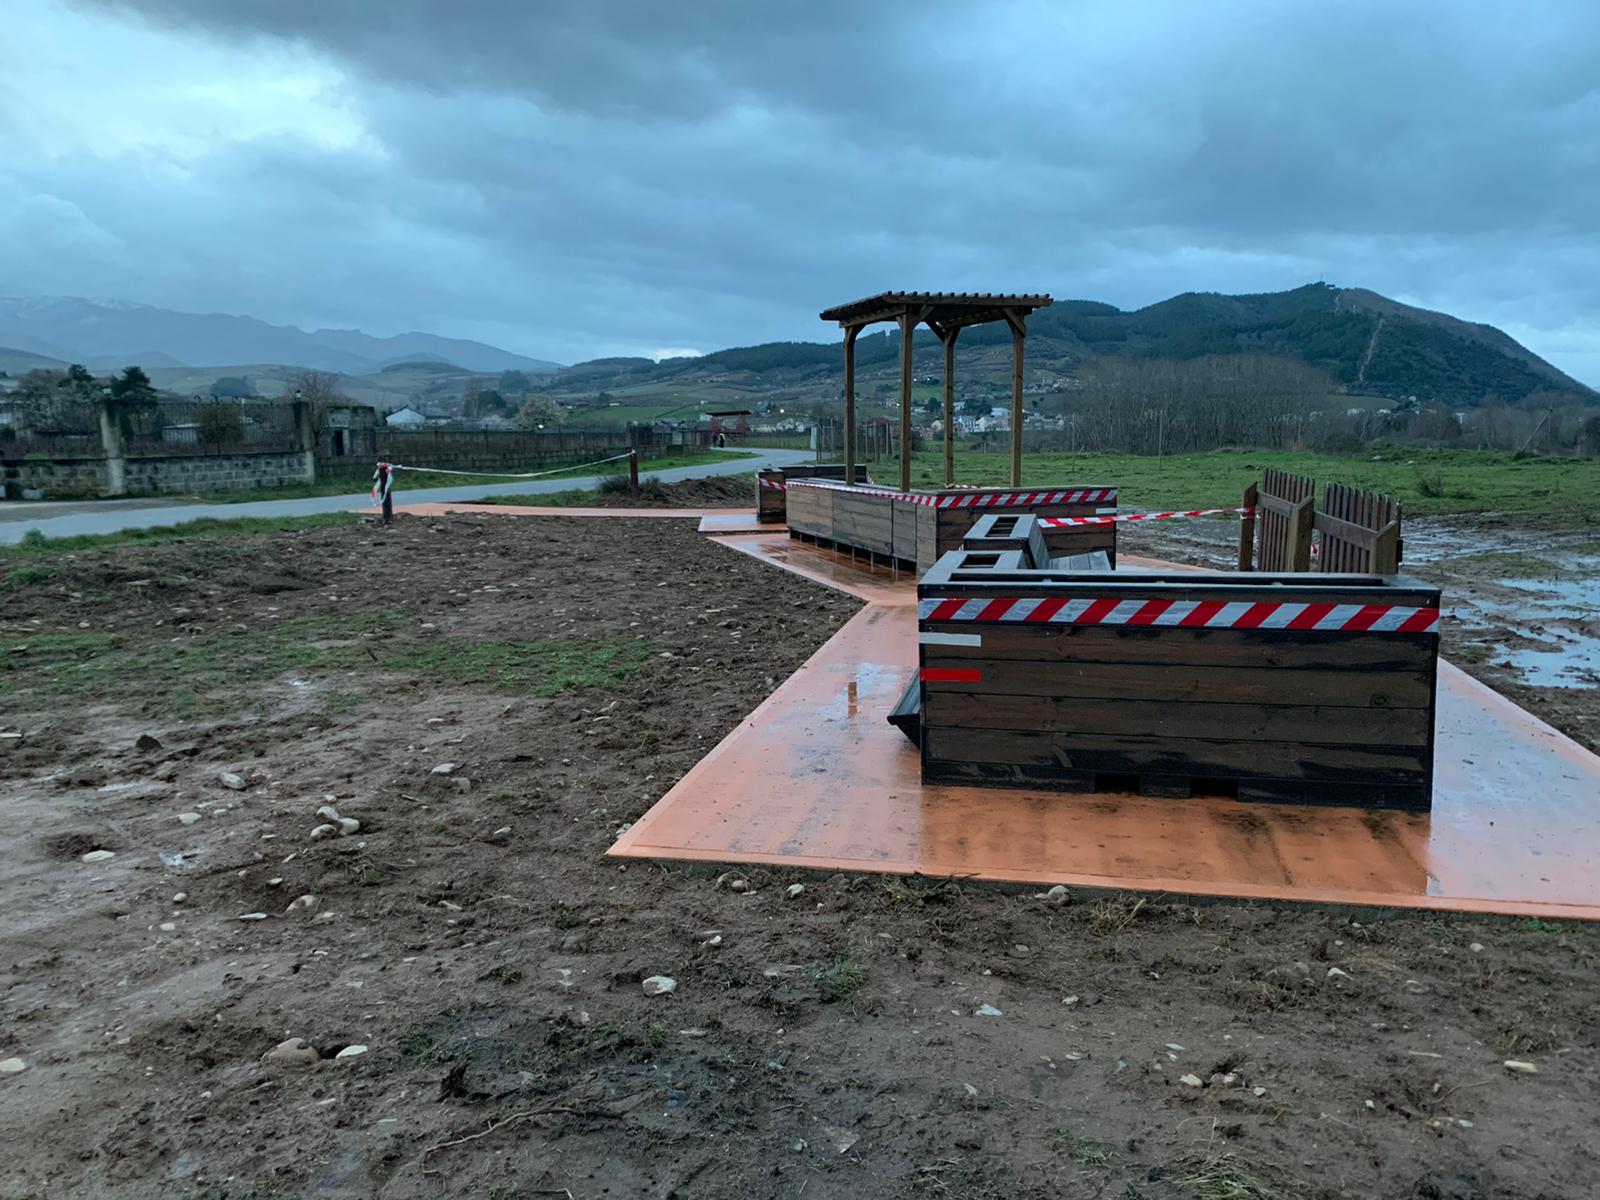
(50, 479)
(202, 473)
(183, 475)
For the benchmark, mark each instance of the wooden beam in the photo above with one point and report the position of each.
(949, 340)
(1019, 334)
(908, 327)
(850, 335)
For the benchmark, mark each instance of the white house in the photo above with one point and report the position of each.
(405, 418)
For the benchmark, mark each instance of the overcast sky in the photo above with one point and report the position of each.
(640, 177)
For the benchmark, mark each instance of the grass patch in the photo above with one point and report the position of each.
(1109, 918)
(1223, 1177)
(658, 1035)
(1426, 482)
(840, 978)
(1084, 1150)
(35, 543)
(215, 674)
(21, 577)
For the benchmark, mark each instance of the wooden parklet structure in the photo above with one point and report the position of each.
(1305, 688)
(916, 527)
(947, 314)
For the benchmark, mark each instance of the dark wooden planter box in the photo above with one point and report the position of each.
(915, 528)
(770, 506)
(1286, 688)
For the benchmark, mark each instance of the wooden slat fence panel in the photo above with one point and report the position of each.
(1360, 531)
(1284, 508)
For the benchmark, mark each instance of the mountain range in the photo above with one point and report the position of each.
(107, 334)
(1367, 343)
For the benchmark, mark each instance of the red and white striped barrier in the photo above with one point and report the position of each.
(1063, 522)
(1185, 614)
(776, 485)
(979, 499)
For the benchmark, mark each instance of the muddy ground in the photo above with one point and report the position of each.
(1521, 601)
(189, 707)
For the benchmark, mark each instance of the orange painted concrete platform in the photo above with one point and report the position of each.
(815, 777)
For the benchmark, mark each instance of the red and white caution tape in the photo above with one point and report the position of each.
(1185, 614)
(776, 485)
(977, 499)
(509, 474)
(1064, 522)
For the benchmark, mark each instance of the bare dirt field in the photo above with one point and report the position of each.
(491, 698)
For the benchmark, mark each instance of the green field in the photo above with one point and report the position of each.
(1426, 482)
(15, 561)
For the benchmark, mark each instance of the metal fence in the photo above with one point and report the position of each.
(172, 428)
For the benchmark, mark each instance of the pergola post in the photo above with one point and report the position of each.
(908, 327)
(850, 335)
(950, 405)
(1019, 333)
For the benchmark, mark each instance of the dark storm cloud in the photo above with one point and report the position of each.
(589, 177)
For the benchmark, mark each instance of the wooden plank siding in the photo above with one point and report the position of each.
(884, 523)
(1288, 715)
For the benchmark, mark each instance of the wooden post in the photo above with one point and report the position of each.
(1019, 331)
(1298, 537)
(850, 403)
(908, 327)
(950, 405)
(633, 471)
(1247, 529)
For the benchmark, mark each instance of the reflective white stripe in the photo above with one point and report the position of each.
(1225, 616)
(1120, 614)
(925, 608)
(1338, 617)
(950, 639)
(1020, 610)
(1071, 612)
(970, 610)
(1392, 620)
(1281, 616)
(1176, 613)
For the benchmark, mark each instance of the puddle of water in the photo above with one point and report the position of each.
(1575, 665)
(1565, 597)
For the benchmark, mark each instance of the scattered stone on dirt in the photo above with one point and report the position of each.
(1193, 1081)
(167, 926)
(188, 818)
(147, 743)
(659, 985)
(444, 768)
(12, 1066)
(95, 856)
(232, 780)
(1476, 947)
(500, 836)
(294, 1052)
(305, 903)
(348, 825)
(1258, 1091)
(733, 881)
(1338, 973)
(323, 831)
(349, 1052)
(254, 916)
(180, 897)
(987, 1010)
(1521, 1068)
(794, 889)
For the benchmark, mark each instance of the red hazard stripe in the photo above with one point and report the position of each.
(951, 675)
(1128, 611)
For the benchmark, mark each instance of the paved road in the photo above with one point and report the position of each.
(64, 519)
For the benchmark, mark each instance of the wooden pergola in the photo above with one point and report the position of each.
(947, 314)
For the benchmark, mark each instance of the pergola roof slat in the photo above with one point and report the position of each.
(946, 306)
